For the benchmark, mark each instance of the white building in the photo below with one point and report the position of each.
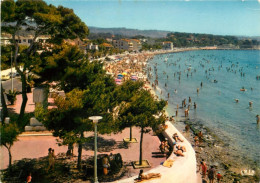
(167, 45)
(127, 44)
(91, 46)
(6, 39)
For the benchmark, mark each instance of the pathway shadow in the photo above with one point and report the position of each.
(104, 145)
(158, 155)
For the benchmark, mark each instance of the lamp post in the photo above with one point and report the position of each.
(12, 81)
(95, 121)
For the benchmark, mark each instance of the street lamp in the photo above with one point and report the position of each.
(95, 121)
(12, 81)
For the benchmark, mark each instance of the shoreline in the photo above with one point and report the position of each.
(215, 151)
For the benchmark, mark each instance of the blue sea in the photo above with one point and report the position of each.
(222, 73)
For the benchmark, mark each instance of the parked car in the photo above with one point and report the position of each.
(15, 74)
(5, 77)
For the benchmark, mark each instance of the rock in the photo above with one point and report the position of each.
(35, 122)
(35, 128)
(226, 166)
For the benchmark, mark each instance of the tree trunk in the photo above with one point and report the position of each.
(80, 151)
(10, 156)
(3, 114)
(24, 96)
(141, 148)
(131, 133)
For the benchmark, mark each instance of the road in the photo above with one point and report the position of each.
(7, 85)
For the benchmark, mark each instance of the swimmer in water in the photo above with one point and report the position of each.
(257, 119)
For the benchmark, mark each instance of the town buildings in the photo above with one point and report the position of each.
(127, 44)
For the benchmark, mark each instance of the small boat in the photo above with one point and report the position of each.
(242, 89)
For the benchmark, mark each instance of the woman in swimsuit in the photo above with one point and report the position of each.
(176, 137)
(148, 176)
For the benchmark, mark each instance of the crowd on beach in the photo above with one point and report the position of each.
(136, 64)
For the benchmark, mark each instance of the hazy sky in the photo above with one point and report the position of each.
(214, 17)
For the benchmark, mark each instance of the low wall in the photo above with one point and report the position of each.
(183, 169)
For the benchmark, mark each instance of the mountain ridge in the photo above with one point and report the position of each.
(130, 32)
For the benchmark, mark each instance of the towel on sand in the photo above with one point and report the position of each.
(168, 163)
(146, 180)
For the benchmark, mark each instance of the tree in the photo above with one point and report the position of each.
(145, 113)
(3, 114)
(39, 19)
(9, 133)
(88, 92)
(124, 94)
(67, 120)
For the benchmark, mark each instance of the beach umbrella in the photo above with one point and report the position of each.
(134, 76)
(124, 73)
(120, 75)
(118, 80)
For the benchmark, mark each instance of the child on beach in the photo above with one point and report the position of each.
(219, 176)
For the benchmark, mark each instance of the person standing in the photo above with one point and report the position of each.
(211, 174)
(203, 168)
(29, 178)
(51, 158)
(106, 164)
(219, 176)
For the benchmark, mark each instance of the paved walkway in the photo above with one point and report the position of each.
(37, 146)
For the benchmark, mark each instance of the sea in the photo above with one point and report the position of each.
(220, 104)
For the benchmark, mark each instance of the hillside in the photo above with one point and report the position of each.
(129, 32)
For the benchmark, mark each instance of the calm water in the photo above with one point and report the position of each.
(234, 122)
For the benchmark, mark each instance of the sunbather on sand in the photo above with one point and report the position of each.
(181, 148)
(148, 176)
(176, 137)
(179, 152)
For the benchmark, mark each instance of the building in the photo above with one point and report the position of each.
(6, 39)
(91, 46)
(127, 44)
(136, 44)
(167, 45)
(106, 45)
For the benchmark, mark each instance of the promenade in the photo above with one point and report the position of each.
(35, 145)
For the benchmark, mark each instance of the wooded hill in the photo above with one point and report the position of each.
(179, 39)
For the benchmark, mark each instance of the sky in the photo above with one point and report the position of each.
(233, 17)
